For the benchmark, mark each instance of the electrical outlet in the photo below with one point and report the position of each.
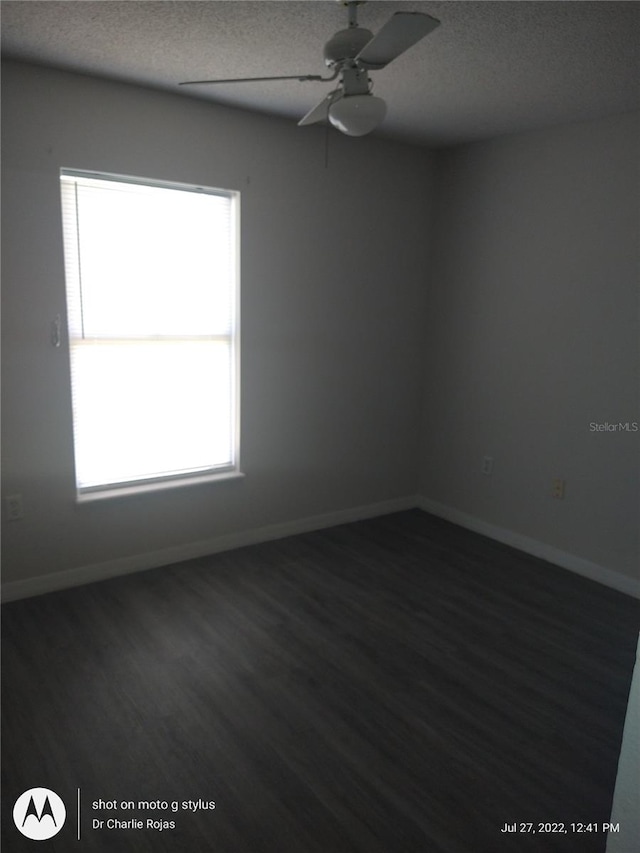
(14, 507)
(557, 487)
(487, 465)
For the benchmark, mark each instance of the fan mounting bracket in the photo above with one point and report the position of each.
(352, 9)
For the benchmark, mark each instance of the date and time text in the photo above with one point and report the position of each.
(559, 827)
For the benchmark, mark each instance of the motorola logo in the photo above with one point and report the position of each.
(39, 813)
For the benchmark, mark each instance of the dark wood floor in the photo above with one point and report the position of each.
(389, 686)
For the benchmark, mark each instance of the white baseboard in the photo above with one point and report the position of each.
(565, 560)
(13, 590)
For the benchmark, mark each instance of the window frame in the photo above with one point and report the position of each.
(158, 482)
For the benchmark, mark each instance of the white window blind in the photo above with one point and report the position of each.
(152, 302)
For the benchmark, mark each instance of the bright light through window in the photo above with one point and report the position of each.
(152, 298)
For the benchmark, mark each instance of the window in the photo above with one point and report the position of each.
(152, 302)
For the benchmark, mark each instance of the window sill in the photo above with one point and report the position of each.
(135, 489)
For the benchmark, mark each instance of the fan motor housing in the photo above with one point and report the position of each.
(346, 44)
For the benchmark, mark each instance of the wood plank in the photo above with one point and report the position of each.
(397, 684)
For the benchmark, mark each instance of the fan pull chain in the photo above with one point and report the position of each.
(326, 145)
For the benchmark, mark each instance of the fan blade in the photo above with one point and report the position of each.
(400, 32)
(301, 77)
(321, 111)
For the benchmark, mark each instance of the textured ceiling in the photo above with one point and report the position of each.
(491, 67)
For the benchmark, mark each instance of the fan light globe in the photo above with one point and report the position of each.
(357, 115)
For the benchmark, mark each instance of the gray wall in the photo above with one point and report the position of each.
(383, 355)
(333, 271)
(533, 335)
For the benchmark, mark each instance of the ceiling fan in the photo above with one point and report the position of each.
(350, 55)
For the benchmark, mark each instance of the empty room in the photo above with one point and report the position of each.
(320, 426)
